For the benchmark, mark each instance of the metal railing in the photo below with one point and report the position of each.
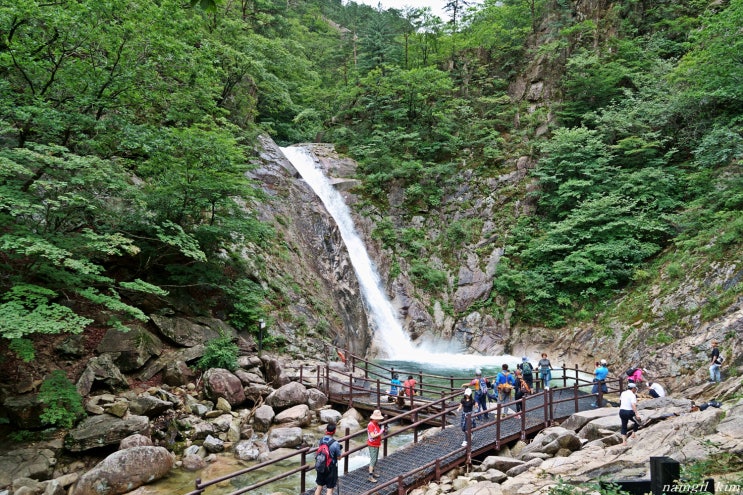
(423, 411)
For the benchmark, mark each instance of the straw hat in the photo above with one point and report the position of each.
(467, 392)
(376, 415)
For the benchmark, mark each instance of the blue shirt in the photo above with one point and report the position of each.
(601, 372)
(502, 378)
(395, 384)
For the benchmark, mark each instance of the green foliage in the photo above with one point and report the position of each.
(247, 299)
(219, 353)
(428, 277)
(63, 405)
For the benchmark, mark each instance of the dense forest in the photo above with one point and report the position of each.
(126, 129)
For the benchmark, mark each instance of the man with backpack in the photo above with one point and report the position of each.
(481, 387)
(527, 372)
(504, 383)
(326, 461)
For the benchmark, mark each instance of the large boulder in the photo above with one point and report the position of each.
(316, 399)
(263, 418)
(285, 437)
(291, 394)
(147, 405)
(26, 463)
(101, 369)
(23, 411)
(99, 431)
(130, 349)
(191, 332)
(125, 470)
(219, 382)
(294, 416)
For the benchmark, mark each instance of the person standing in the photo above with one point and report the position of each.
(395, 387)
(545, 371)
(409, 386)
(714, 367)
(504, 382)
(656, 390)
(481, 391)
(467, 405)
(374, 441)
(329, 479)
(628, 411)
(521, 389)
(527, 372)
(599, 380)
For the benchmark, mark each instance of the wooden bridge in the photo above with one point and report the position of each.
(364, 385)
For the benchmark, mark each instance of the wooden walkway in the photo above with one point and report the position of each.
(432, 455)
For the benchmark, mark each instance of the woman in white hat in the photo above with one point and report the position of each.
(467, 405)
(374, 441)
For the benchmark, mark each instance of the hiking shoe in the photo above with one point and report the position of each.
(464, 444)
(372, 479)
(375, 474)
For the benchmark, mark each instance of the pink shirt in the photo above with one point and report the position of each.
(637, 375)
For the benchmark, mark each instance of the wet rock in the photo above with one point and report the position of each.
(125, 470)
(291, 394)
(219, 382)
(99, 431)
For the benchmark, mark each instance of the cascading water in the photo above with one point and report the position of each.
(391, 338)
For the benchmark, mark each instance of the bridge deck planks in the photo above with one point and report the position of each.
(446, 446)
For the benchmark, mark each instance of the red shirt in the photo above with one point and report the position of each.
(372, 429)
(409, 386)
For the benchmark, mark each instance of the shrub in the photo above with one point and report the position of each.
(219, 353)
(63, 405)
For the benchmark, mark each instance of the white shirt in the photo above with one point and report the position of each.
(626, 400)
(658, 389)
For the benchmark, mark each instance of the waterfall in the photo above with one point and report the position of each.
(389, 334)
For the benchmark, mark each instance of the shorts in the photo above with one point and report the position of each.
(329, 479)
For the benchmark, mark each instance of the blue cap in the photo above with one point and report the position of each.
(524, 359)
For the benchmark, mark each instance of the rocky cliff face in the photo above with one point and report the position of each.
(311, 270)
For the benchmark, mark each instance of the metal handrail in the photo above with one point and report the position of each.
(547, 405)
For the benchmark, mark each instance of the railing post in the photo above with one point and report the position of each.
(498, 413)
(400, 486)
(384, 448)
(575, 397)
(415, 430)
(350, 390)
(345, 447)
(576, 374)
(327, 379)
(353, 363)
(303, 482)
(552, 405)
(522, 418)
(437, 469)
(420, 381)
(564, 376)
(443, 408)
(366, 370)
(379, 394)
(451, 384)
(545, 393)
